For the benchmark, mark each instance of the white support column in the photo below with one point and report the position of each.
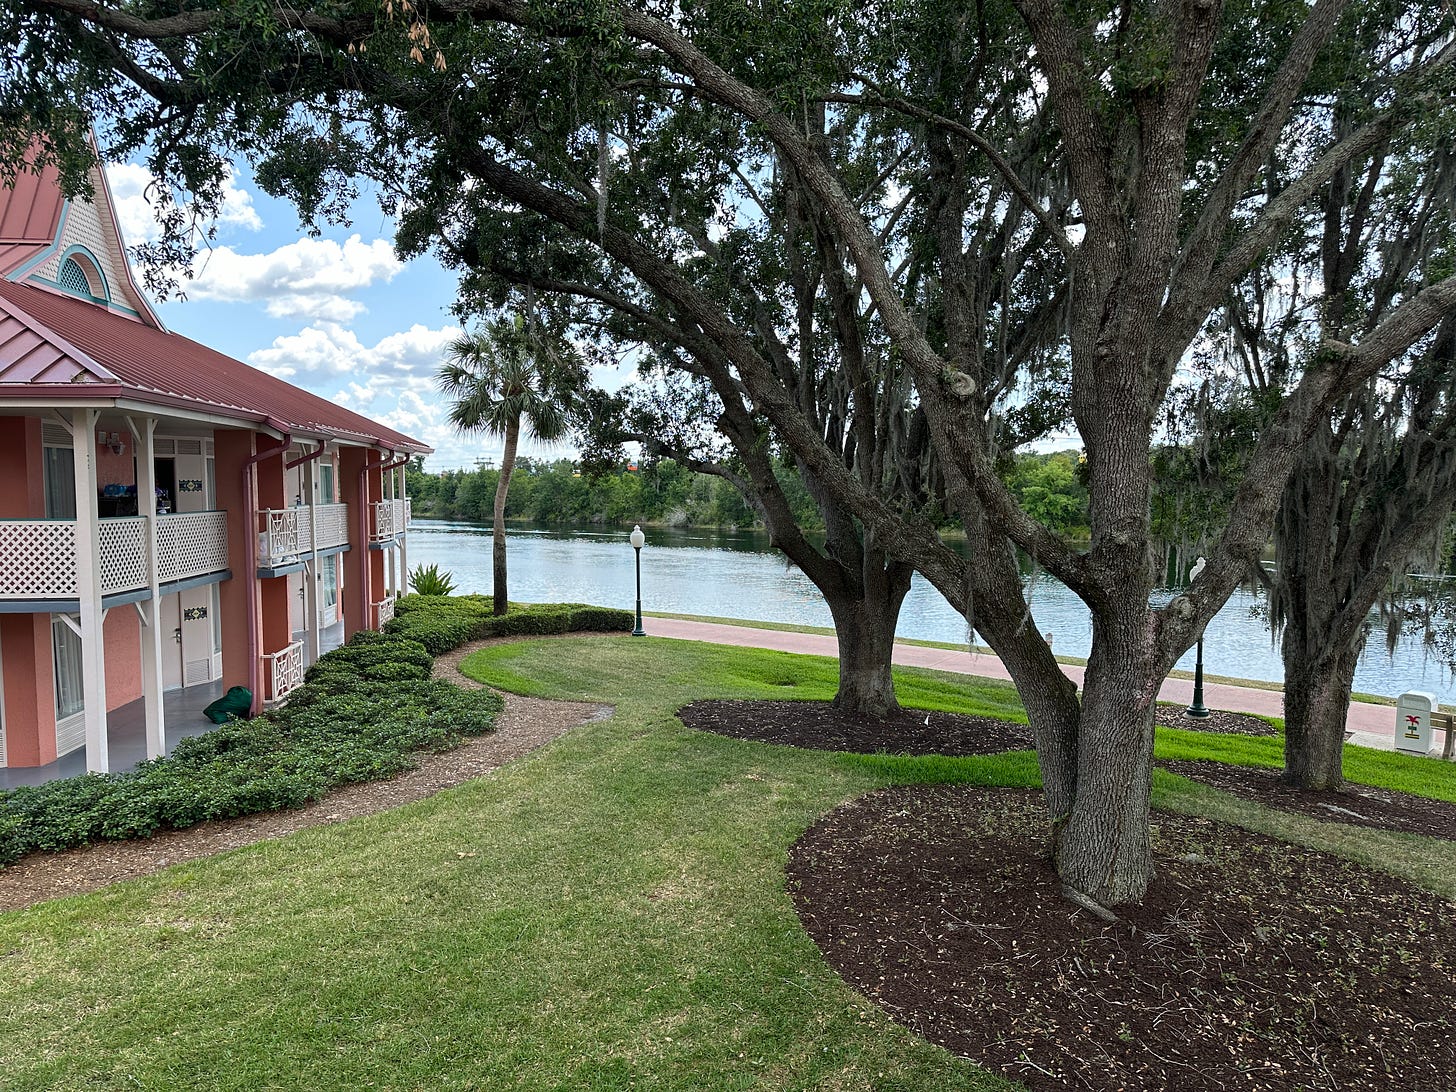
(312, 572)
(404, 538)
(153, 704)
(88, 587)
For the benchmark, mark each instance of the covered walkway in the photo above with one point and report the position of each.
(125, 731)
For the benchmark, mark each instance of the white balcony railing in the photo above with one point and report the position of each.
(383, 520)
(38, 557)
(331, 526)
(286, 534)
(278, 536)
(283, 671)
(391, 518)
(191, 544)
(384, 611)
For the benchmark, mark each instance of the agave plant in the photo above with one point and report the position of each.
(429, 580)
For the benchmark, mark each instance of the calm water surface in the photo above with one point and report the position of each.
(734, 574)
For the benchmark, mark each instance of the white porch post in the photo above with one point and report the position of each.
(404, 538)
(88, 589)
(153, 703)
(312, 573)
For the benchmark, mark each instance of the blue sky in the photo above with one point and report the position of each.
(338, 315)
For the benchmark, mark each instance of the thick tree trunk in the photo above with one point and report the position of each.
(865, 628)
(1105, 850)
(1316, 706)
(500, 604)
(996, 608)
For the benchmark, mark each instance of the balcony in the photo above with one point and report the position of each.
(287, 535)
(391, 519)
(38, 557)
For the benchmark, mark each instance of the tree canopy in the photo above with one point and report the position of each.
(1005, 201)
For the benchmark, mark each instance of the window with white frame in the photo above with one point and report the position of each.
(60, 482)
(331, 581)
(66, 651)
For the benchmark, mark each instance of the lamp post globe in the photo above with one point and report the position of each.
(638, 539)
(1198, 710)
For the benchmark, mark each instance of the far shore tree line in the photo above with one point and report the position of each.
(890, 247)
(665, 493)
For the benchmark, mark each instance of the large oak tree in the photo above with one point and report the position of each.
(1141, 150)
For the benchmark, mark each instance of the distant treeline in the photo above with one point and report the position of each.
(1048, 487)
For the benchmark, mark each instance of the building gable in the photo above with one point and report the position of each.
(72, 246)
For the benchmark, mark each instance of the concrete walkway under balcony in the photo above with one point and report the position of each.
(125, 731)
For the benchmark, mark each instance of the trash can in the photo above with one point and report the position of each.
(1413, 712)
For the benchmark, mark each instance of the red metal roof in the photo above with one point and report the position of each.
(48, 339)
(30, 212)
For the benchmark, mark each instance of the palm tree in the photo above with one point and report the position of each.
(501, 377)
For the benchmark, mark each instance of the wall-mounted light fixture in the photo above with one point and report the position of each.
(111, 440)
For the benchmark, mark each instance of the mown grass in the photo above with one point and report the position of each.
(962, 646)
(608, 913)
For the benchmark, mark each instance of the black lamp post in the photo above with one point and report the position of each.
(1198, 709)
(637, 538)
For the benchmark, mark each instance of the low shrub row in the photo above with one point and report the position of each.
(441, 623)
(363, 712)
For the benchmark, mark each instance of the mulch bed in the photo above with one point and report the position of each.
(1252, 964)
(1218, 720)
(1358, 805)
(817, 725)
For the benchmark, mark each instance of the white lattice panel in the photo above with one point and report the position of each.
(385, 608)
(191, 544)
(279, 529)
(332, 524)
(305, 531)
(37, 559)
(123, 559)
(285, 670)
(383, 520)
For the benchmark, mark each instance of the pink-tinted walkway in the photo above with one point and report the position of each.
(1368, 720)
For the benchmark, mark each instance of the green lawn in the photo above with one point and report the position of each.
(607, 913)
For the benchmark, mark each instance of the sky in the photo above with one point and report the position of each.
(337, 314)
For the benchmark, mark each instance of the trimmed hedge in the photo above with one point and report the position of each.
(363, 712)
(441, 623)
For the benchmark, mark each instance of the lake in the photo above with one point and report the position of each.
(734, 574)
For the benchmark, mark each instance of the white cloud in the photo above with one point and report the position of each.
(309, 278)
(391, 381)
(327, 350)
(131, 184)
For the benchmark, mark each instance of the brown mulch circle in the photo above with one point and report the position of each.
(524, 725)
(1220, 721)
(1252, 964)
(818, 726)
(1357, 805)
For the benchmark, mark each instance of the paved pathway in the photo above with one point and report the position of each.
(1372, 725)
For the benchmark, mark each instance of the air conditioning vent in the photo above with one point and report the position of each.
(54, 434)
(189, 447)
(70, 734)
(164, 447)
(197, 671)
